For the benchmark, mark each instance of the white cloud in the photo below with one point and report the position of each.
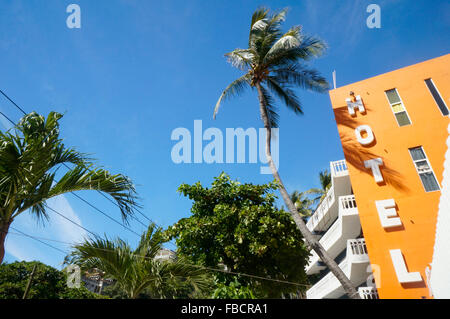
(65, 230)
(57, 228)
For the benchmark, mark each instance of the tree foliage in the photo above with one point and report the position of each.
(47, 283)
(325, 184)
(274, 63)
(136, 271)
(30, 156)
(238, 225)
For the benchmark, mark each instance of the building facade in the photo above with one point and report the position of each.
(393, 129)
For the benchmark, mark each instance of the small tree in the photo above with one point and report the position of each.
(136, 271)
(47, 283)
(238, 225)
(30, 155)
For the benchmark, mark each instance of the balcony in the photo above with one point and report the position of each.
(346, 227)
(323, 215)
(368, 293)
(354, 266)
(327, 211)
(338, 168)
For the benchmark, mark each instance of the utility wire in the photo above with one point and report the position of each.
(75, 223)
(7, 118)
(35, 238)
(7, 97)
(18, 107)
(106, 215)
(193, 265)
(79, 197)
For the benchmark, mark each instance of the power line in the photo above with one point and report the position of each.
(75, 223)
(79, 197)
(136, 209)
(193, 265)
(4, 94)
(35, 238)
(7, 118)
(106, 215)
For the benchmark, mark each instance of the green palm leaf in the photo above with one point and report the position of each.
(30, 155)
(136, 271)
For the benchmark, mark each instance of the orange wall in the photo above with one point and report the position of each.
(416, 208)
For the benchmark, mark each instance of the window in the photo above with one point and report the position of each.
(424, 170)
(397, 107)
(437, 97)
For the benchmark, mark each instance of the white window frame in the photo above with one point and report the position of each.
(442, 97)
(403, 104)
(429, 164)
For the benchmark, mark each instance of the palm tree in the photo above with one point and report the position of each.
(137, 271)
(273, 65)
(325, 183)
(302, 203)
(30, 155)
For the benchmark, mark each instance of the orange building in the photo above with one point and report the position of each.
(393, 129)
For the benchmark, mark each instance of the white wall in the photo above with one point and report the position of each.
(440, 266)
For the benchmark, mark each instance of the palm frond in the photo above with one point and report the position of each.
(285, 94)
(270, 107)
(136, 270)
(265, 32)
(309, 47)
(259, 14)
(297, 74)
(287, 41)
(118, 186)
(241, 58)
(235, 88)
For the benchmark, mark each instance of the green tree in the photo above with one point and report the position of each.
(325, 184)
(238, 225)
(302, 203)
(47, 283)
(136, 271)
(30, 155)
(232, 290)
(272, 64)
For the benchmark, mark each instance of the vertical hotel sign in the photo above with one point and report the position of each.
(386, 208)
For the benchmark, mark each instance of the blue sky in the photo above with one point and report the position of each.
(136, 70)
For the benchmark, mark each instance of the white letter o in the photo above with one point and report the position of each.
(364, 140)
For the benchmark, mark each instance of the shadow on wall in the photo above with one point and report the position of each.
(356, 154)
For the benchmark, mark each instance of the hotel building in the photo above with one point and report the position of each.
(392, 202)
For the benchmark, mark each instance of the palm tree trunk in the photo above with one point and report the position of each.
(310, 239)
(4, 228)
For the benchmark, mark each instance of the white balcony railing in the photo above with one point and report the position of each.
(327, 240)
(356, 247)
(368, 293)
(321, 210)
(347, 204)
(321, 216)
(338, 231)
(356, 253)
(338, 168)
(327, 283)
